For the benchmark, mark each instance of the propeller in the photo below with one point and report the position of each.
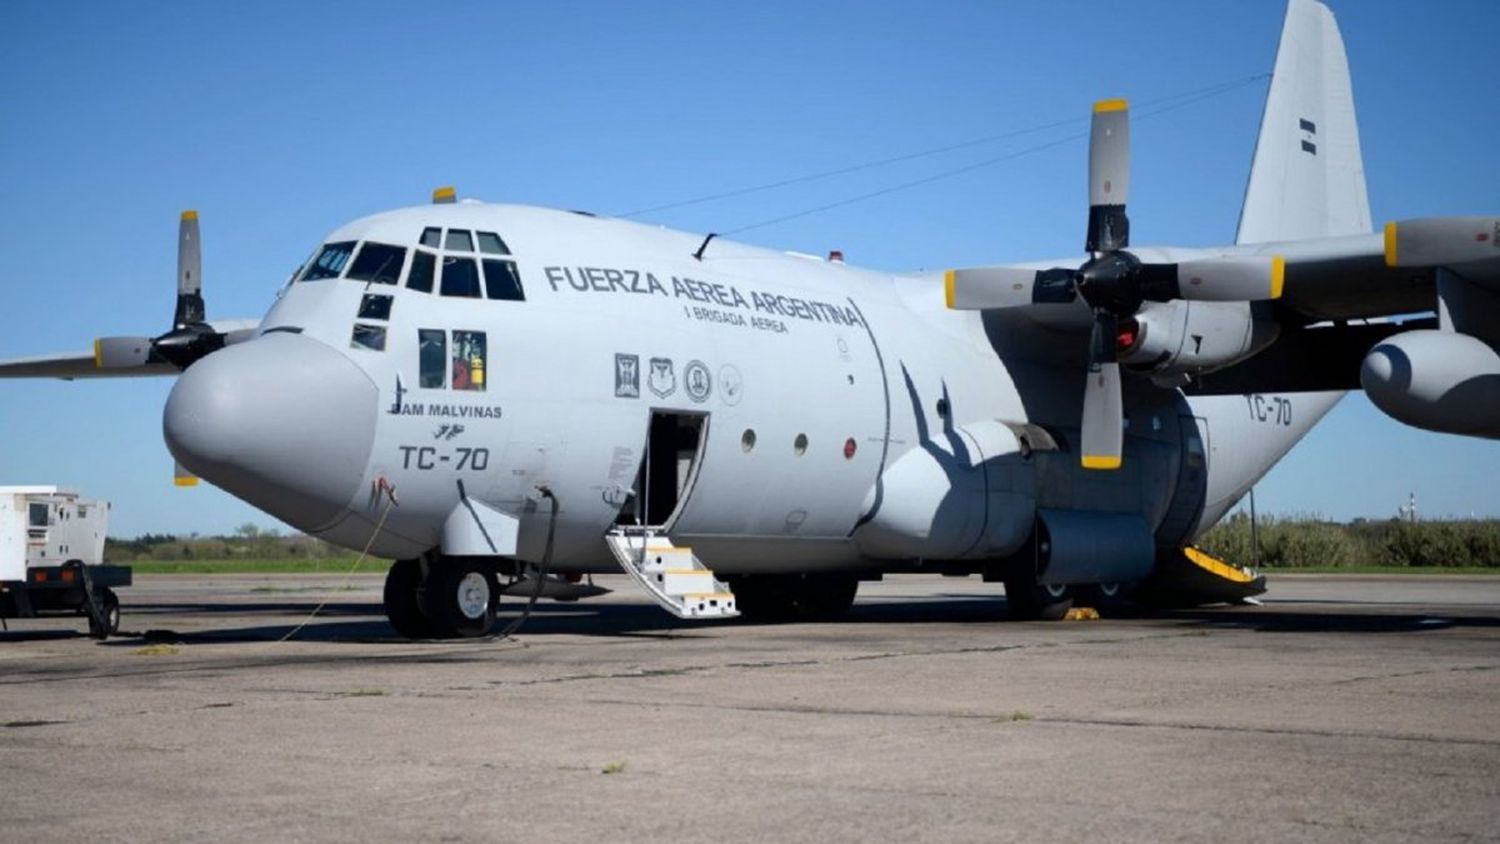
(1113, 282)
(191, 337)
(1441, 241)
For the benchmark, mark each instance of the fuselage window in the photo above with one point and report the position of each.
(330, 261)
(491, 244)
(375, 306)
(432, 355)
(422, 268)
(468, 360)
(502, 281)
(370, 337)
(378, 262)
(460, 277)
(459, 241)
(432, 237)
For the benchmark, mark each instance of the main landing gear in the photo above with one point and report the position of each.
(793, 597)
(441, 597)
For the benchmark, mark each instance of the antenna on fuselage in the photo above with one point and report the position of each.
(704, 245)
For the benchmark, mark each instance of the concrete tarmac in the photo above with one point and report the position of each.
(1347, 708)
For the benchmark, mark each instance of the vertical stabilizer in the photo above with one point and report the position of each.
(1308, 177)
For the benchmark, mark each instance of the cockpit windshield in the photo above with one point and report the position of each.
(378, 262)
(330, 261)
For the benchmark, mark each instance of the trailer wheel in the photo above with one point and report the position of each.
(109, 608)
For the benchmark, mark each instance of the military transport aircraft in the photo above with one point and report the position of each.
(479, 390)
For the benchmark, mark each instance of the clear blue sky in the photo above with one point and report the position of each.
(280, 121)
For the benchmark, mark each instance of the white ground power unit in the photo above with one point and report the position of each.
(52, 557)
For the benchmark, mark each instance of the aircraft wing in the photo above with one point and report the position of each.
(97, 363)
(1388, 274)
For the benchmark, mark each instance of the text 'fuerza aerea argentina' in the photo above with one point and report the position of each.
(610, 280)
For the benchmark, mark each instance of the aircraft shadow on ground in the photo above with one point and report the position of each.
(365, 623)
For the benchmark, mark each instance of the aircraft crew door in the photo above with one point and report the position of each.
(669, 468)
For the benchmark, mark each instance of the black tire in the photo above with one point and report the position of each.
(1028, 600)
(825, 597)
(109, 608)
(1110, 599)
(764, 598)
(403, 608)
(461, 598)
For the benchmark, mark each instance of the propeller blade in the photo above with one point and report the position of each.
(182, 477)
(986, 288)
(190, 310)
(1228, 279)
(1109, 177)
(121, 352)
(1441, 241)
(1103, 412)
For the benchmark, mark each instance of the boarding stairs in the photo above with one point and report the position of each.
(674, 577)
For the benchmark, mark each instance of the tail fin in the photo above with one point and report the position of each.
(1308, 177)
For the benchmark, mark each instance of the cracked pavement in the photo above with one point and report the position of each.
(1346, 708)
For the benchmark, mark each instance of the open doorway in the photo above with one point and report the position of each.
(674, 448)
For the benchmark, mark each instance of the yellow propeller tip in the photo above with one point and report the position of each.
(185, 481)
(1100, 461)
(1390, 244)
(189, 215)
(1111, 105)
(949, 278)
(1278, 275)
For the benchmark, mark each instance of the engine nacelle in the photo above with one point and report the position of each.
(1179, 339)
(1437, 380)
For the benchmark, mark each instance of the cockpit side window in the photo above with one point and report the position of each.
(432, 357)
(423, 265)
(458, 240)
(380, 263)
(491, 244)
(330, 261)
(468, 360)
(460, 277)
(502, 280)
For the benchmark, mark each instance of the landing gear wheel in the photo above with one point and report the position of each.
(1032, 601)
(402, 608)
(764, 598)
(825, 597)
(1107, 598)
(461, 598)
(109, 608)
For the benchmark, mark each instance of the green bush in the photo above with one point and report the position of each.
(1302, 542)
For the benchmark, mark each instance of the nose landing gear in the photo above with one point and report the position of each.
(441, 598)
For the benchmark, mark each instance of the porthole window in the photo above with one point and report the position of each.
(799, 445)
(747, 439)
(942, 408)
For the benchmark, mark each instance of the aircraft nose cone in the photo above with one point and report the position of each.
(282, 421)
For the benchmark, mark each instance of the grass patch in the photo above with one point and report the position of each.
(1018, 715)
(613, 768)
(160, 649)
(333, 565)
